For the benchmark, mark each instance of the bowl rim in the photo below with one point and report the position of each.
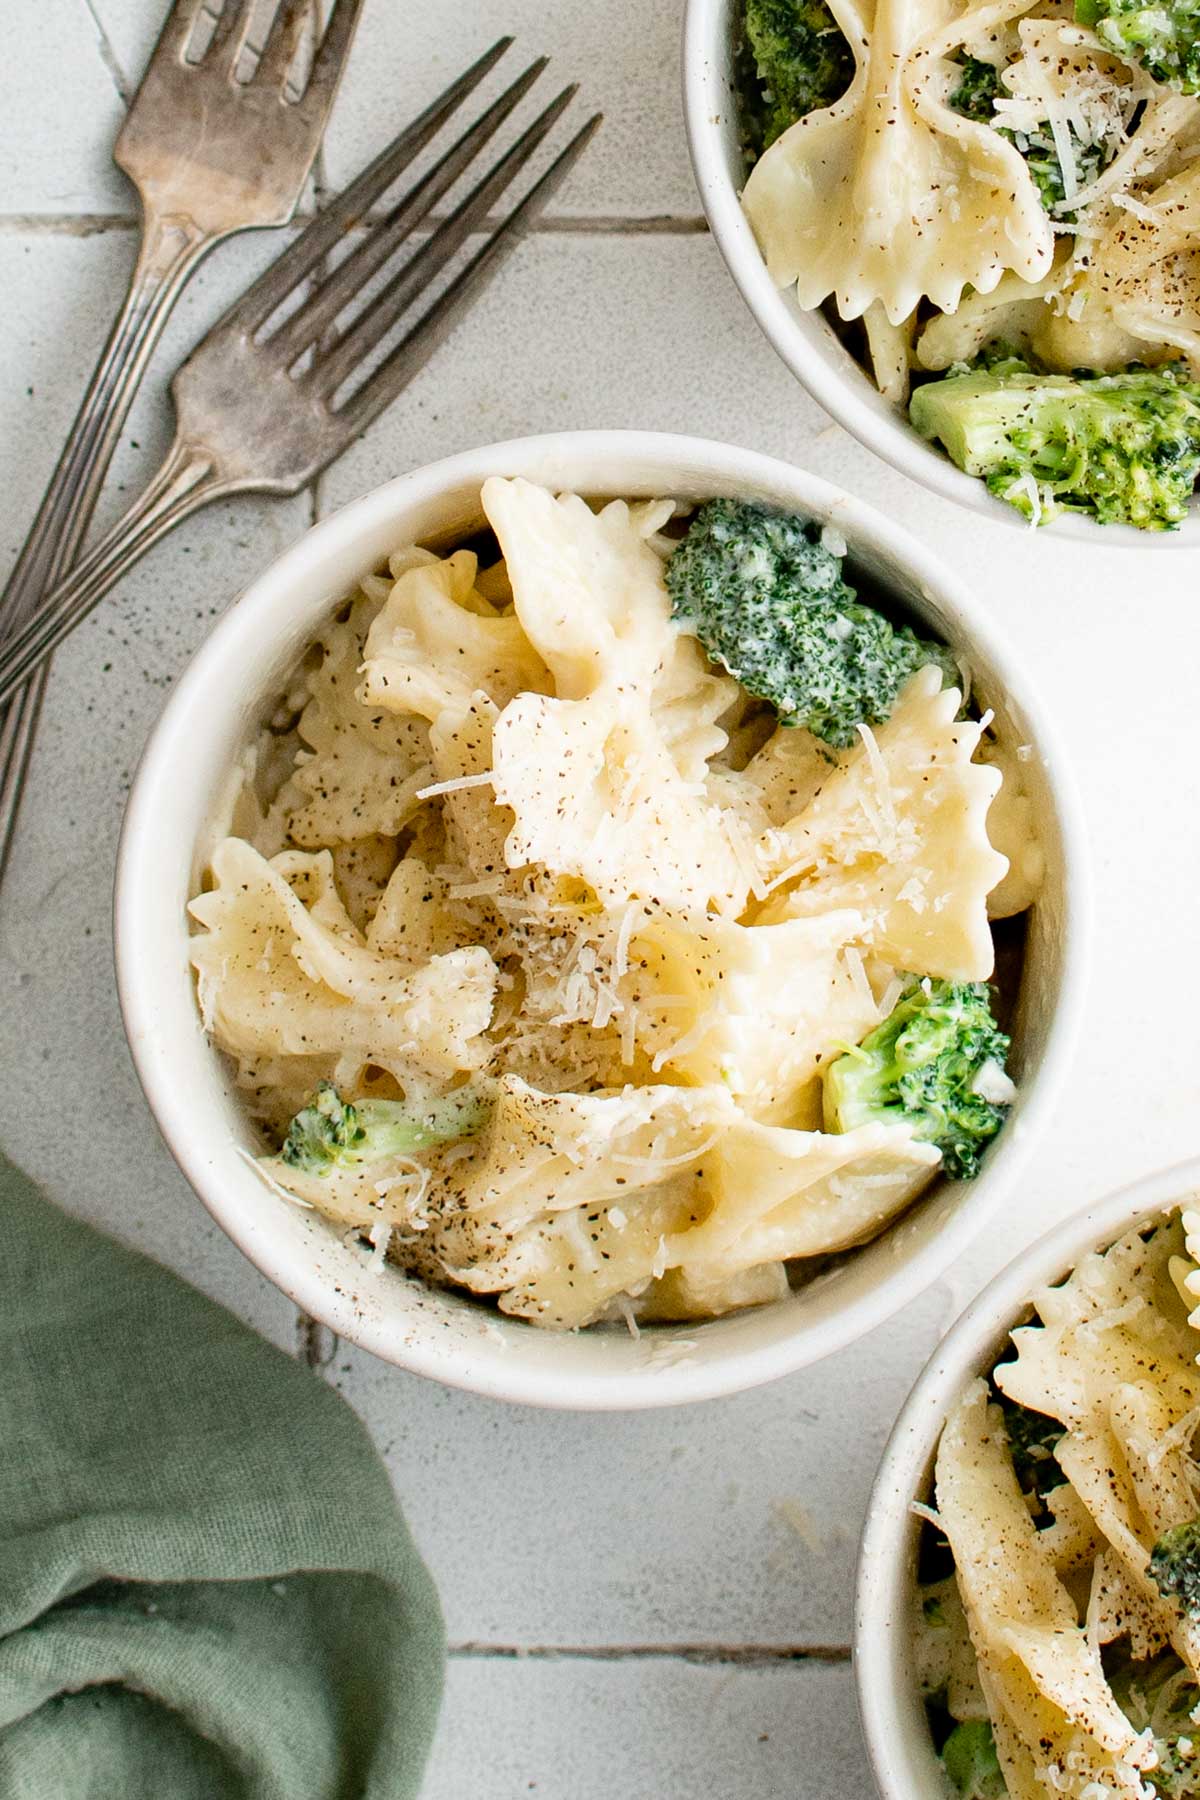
(883, 1578)
(677, 458)
(880, 428)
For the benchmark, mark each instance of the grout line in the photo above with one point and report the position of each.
(601, 224)
(66, 224)
(316, 1345)
(108, 55)
(754, 1656)
(553, 225)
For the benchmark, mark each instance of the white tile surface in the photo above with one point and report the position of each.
(625, 59)
(733, 1522)
(726, 1525)
(647, 1730)
(61, 112)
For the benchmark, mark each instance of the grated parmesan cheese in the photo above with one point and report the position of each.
(456, 784)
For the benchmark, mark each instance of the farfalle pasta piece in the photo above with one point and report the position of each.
(1098, 1332)
(1012, 831)
(1185, 1269)
(1145, 273)
(890, 348)
(753, 1008)
(589, 592)
(358, 771)
(429, 651)
(1110, 1361)
(1013, 312)
(565, 1200)
(778, 1193)
(697, 1292)
(898, 832)
(601, 777)
(283, 972)
(598, 796)
(413, 921)
(1039, 1668)
(1091, 1459)
(587, 587)
(788, 771)
(889, 197)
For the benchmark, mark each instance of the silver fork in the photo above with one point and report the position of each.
(209, 155)
(264, 405)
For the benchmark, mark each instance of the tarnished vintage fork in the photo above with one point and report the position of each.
(209, 154)
(264, 405)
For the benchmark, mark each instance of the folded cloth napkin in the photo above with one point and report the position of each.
(206, 1588)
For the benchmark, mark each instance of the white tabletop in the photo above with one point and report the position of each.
(650, 1607)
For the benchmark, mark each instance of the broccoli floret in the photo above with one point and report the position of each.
(969, 1759)
(1032, 1440)
(936, 1064)
(1123, 447)
(1160, 1696)
(1165, 39)
(975, 97)
(1175, 1566)
(977, 89)
(766, 599)
(795, 59)
(331, 1133)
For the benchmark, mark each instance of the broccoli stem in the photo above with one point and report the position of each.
(331, 1133)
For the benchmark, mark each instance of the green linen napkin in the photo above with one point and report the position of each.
(206, 1587)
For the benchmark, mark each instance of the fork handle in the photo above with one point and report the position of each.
(18, 729)
(170, 249)
(187, 480)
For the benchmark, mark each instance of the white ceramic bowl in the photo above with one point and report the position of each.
(806, 341)
(234, 681)
(902, 1754)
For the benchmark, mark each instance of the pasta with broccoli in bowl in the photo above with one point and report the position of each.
(973, 231)
(620, 909)
(1029, 1591)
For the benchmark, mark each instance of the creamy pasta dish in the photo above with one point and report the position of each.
(1060, 1655)
(604, 923)
(998, 201)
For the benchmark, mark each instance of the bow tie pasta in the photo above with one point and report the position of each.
(891, 196)
(606, 931)
(1003, 193)
(1061, 1652)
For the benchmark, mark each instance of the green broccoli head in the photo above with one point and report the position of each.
(935, 1064)
(1124, 447)
(331, 1133)
(1160, 1696)
(796, 59)
(1164, 39)
(976, 90)
(767, 600)
(969, 1759)
(1175, 1566)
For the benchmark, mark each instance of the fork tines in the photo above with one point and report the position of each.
(325, 350)
(228, 40)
